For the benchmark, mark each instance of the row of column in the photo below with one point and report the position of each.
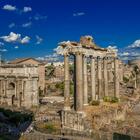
(82, 83)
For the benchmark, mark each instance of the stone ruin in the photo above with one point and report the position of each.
(83, 50)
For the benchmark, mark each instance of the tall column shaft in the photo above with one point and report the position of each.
(99, 65)
(93, 85)
(5, 87)
(105, 73)
(116, 78)
(67, 83)
(79, 82)
(85, 82)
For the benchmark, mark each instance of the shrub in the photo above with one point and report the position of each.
(50, 127)
(107, 99)
(125, 79)
(110, 99)
(95, 102)
(114, 100)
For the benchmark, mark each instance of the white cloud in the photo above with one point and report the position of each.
(112, 48)
(1, 44)
(39, 17)
(79, 14)
(3, 50)
(135, 44)
(124, 54)
(11, 25)
(28, 24)
(50, 58)
(16, 47)
(25, 40)
(9, 7)
(13, 37)
(27, 9)
(39, 40)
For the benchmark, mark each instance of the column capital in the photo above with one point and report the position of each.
(105, 58)
(66, 54)
(93, 57)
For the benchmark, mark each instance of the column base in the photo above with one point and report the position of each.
(67, 108)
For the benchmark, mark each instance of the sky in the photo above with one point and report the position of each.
(33, 28)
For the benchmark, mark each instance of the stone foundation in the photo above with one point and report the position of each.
(72, 120)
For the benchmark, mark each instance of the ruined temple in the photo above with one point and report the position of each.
(100, 59)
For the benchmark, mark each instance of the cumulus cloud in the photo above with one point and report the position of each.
(78, 14)
(28, 24)
(25, 40)
(9, 7)
(11, 25)
(13, 37)
(135, 44)
(27, 9)
(39, 40)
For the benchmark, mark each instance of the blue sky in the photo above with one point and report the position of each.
(33, 28)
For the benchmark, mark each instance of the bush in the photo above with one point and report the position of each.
(110, 99)
(50, 127)
(125, 79)
(114, 100)
(95, 102)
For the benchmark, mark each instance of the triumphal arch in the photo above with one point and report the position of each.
(86, 51)
(18, 85)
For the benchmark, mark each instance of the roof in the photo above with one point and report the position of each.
(20, 60)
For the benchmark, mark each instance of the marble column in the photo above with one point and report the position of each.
(67, 83)
(79, 82)
(116, 78)
(85, 82)
(93, 85)
(105, 73)
(99, 71)
(5, 87)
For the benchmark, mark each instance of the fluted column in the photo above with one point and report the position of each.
(67, 83)
(116, 78)
(85, 82)
(99, 71)
(79, 82)
(105, 73)
(93, 85)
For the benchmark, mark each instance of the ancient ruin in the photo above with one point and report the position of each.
(86, 51)
(19, 85)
